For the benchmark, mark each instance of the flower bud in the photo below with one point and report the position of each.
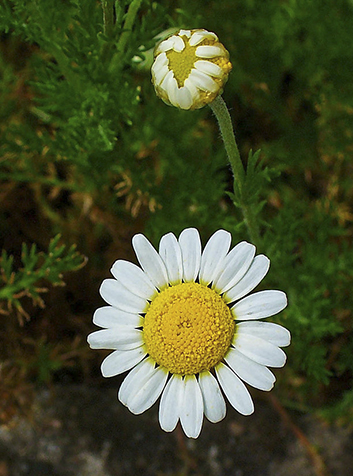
(190, 69)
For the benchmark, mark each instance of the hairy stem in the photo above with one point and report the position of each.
(221, 112)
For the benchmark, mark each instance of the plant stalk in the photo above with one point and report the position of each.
(220, 110)
(108, 17)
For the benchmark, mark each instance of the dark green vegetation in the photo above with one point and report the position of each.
(89, 152)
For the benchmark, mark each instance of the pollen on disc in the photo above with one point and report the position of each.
(188, 328)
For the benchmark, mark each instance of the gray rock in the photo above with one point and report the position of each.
(83, 431)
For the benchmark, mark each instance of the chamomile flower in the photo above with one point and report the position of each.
(185, 328)
(190, 68)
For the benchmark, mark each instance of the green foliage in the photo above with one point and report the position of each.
(309, 252)
(38, 268)
(257, 176)
(43, 362)
(87, 150)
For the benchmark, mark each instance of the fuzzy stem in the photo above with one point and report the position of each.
(221, 112)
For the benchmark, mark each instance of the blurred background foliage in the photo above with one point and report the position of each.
(90, 156)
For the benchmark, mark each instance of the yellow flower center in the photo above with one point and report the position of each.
(182, 63)
(188, 328)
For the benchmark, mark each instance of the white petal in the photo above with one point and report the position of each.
(147, 394)
(234, 266)
(191, 412)
(150, 261)
(184, 98)
(108, 316)
(186, 33)
(201, 35)
(215, 250)
(178, 43)
(135, 379)
(255, 274)
(213, 401)
(209, 68)
(171, 401)
(170, 87)
(165, 45)
(251, 372)
(160, 61)
(160, 74)
(115, 294)
(134, 279)
(165, 83)
(122, 338)
(260, 305)
(208, 51)
(259, 350)
(203, 81)
(190, 245)
(121, 360)
(170, 252)
(274, 333)
(194, 91)
(172, 91)
(234, 389)
(160, 64)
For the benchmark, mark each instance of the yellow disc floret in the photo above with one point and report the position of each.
(188, 328)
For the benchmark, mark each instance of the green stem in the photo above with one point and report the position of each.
(252, 224)
(125, 35)
(108, 17)
(221, 112)
(129, 23)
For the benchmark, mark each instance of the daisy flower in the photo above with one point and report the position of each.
(190, 69)
(185, 327)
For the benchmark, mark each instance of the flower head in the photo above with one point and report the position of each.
(186, 328)
(190, 69)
